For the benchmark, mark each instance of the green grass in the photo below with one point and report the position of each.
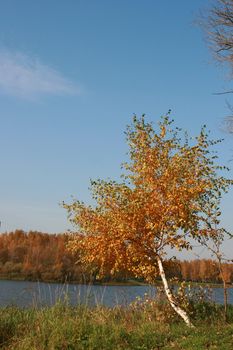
(138, 327)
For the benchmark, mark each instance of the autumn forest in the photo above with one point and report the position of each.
(44, 257)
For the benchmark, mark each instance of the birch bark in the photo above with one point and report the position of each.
(182, 313)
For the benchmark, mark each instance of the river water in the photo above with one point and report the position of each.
(25, 294)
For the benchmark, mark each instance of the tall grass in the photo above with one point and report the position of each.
(145, 324)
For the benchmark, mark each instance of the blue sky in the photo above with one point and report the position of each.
(72, 73)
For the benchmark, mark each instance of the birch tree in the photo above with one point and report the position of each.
(170, 191)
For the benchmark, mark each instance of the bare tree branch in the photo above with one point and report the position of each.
(218, 28)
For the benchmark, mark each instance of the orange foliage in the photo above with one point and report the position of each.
(36, 256)
(170, 192)
(42, 256)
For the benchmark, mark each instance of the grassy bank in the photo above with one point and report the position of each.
(141, 326)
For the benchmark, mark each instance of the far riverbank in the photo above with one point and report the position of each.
(129, 282)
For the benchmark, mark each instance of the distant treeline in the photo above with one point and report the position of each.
(42, 256)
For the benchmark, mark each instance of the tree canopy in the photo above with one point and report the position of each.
(170, 193)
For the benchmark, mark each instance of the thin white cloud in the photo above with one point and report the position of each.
(26, 77)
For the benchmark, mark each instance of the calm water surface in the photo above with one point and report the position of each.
(25, 293)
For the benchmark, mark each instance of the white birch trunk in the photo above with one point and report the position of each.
(170, 296)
